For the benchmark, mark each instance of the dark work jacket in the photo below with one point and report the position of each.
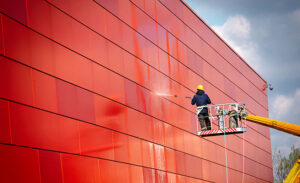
(201, 99)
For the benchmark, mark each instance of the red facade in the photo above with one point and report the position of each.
(78, 104)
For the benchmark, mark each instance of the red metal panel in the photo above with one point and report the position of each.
(114, 55)
(83, 73)
(169, 135)
(36, 128)
(193, 166)
(50, 167)
(115, 58)
(113, 86)
(110, 114)
(121, 149)
(170, 160)
(148, 154)
(19, 164)
(178, 139)
(141, 72)
(159, 157)
(135, 151)
(66, 99)
(139, 124)
(44, 89)
(17, 81)
(1, 36)
(212, 56)
(180, 163)
(80, 169)
(158, 132)
(160, 176)
(171, 177)
(27, 47)
(234, 176)
(75, 102)
(180, 179)
(99, 50)
(149, 175)
(96, 141)
(5, 136)
(114, 172)
(15, 9)
(136, 174)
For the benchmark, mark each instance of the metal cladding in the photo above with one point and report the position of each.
(78, 84)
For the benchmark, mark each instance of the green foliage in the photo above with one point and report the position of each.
(282, 165)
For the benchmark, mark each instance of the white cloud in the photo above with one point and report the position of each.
(286, 107)
(235, 27)
(237, 32)
(295, 16)
(282, 105)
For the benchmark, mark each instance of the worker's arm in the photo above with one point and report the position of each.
(208, 99)
(193, 100)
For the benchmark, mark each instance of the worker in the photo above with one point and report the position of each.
(202, 99)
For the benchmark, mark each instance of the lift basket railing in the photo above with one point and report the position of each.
(224, 118)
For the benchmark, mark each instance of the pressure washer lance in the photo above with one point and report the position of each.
(182, 96)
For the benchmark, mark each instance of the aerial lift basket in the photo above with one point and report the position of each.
(224, 118)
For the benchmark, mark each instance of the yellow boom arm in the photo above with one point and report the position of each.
(294, 175)
(279, 125)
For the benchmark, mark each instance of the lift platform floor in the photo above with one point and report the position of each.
(221, 131)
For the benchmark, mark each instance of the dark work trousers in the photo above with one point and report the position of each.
(204, 121)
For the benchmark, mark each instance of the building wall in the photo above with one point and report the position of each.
(78, 96)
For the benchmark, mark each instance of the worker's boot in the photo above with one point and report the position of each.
(233, 122)
(202, 123)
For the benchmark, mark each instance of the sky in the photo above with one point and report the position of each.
(267, 35)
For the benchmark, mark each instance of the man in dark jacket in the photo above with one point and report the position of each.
(202, 99)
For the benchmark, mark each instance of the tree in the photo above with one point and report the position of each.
(283, 165)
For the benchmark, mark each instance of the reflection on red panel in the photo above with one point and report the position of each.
(159, 155)
(78, 92)
(80, 169)
(96, 141)
(148, 154)
(110, 114)
(149, 175)
(121, 149)
(160, 177)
